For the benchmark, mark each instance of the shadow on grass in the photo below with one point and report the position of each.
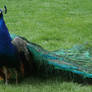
(56, 77)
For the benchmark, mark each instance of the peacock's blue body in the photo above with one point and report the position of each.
(6, 47)
(8, 52)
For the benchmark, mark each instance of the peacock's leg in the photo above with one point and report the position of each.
(6, 75)
(16, 72)
(22, 69)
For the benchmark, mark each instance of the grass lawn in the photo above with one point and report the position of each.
(52, 24)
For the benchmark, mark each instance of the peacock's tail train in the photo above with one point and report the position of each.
(77, 60)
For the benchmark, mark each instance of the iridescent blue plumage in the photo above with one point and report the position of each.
(8, 52)
(6, 46)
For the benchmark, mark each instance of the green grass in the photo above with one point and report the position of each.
(52, 24)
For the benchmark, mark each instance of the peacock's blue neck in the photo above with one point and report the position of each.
(6, 47)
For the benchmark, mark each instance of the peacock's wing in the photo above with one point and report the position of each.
(77, 59)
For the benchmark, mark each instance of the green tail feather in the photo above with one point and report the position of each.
(77, 59)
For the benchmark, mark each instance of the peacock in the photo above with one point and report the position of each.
(15, 50)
